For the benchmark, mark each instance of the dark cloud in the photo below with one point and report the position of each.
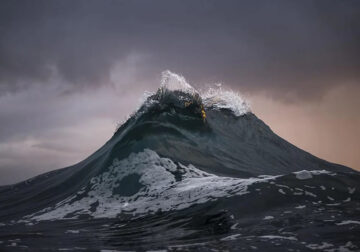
(69, 70)
(302, 48)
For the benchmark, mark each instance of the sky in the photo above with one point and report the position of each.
(71, 71)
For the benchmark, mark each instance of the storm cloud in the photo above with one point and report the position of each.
(71, 70)
(300, 48)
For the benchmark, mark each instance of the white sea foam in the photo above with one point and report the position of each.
(160, 192)
(172, 81)
(215, 98)
(302, 175)
(348, 222)
(268, 217)
(322, 246)
(159, 189)
(328, 247)
(351, 190)
(72, 231)
(230, 237)
(282, 191)
(291, 238)
(305, 174)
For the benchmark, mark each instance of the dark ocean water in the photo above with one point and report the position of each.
(187, 172)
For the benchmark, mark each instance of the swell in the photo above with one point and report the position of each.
(224, 144)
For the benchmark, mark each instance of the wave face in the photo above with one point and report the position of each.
(187, 171)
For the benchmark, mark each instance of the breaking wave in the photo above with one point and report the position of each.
(213, 98)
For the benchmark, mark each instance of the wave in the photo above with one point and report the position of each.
(145, 183)
(188, 170)
(213, 98)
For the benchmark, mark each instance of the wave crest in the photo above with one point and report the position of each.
(221, 99)
(213, 98)
(172, 82)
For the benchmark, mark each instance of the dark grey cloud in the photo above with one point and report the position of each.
(302, 48)
(69, 70)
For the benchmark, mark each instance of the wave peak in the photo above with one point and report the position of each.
(183, 92)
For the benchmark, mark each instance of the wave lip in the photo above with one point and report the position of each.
(213, 98)
(219, 99)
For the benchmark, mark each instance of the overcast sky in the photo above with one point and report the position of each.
(71, 70)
